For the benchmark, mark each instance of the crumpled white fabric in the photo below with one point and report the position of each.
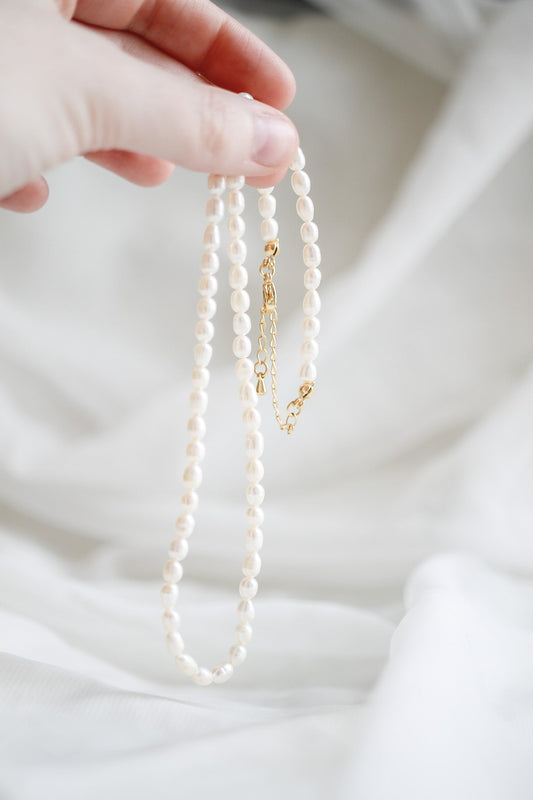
(409, 475)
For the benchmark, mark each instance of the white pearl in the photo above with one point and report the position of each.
(300, 183)
(248, 588)
(255, 516)
(206, 307)
(202, 354)
(248, 395)
(235, 202)
(196, 428)
(299, 161)
(207, 285)
(212, 237)
(312, 278)
(172, 571)
(188, 502)
(192, 476)
(200, 377)
(309, 350)
(210, 263)
(251, 565)
(241, 324)
(308, 372)
(186, 664)
(311, 327)
(236, 226)
(238, 277)
(214, 210)
(255, 470)
(255, 493)
(254, 539)
(179, 548)
(169, 595)
(251, 419)
(237, 251)
(244, 369)
(267, 206)
(235, 181)
(244, 633)
(195, 451)
(245, 611)
(222, 672)
(216, 184)
(204, 330)
(240, 301)
(312, 255)
(305, 208)
(242, 347)
(269, 229)
(171, 620)
(254, 444)
(309, 232)
(198, 402)
(266, 190)
(237, 654)
(203, 676)
(175, 643)
(184, 525)
(311, 303)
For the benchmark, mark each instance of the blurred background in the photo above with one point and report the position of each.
(399, 511)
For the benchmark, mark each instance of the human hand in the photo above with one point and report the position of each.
(136, 86)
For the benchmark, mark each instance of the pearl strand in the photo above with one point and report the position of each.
(301, 185)
(192, 476)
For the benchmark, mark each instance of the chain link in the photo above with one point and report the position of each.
(269, 307)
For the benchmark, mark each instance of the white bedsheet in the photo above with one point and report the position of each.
(393, 645)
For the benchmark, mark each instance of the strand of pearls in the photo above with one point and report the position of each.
(196, 427)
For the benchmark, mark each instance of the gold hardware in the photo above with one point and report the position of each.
(269, 307)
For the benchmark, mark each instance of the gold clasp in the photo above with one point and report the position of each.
(269, 296)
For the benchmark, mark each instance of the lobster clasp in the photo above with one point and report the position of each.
(269, 296)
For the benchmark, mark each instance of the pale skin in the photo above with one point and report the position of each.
(136, 86)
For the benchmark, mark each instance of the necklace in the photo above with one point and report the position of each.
(252, 384)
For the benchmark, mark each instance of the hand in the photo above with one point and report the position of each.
(136, 86)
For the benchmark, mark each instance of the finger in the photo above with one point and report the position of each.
(204, 38)
(180, 118)
(139, 169)
(30, 198)
(267, 180)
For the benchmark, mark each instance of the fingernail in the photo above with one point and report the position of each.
(275, 142)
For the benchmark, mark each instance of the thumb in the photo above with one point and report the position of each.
(177, 116)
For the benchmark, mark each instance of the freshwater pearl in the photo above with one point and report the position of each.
(210, 263)
(238, 277)
(204, 330)
(179, 548)
(237, 654)
(312, 255)
(202, 354)
(214, 210)
(236, 226)
(311, 327)
(235, 181)
(309, 350)
(195, 451)
(196, 428)
(235, 201)
(169, 595)
(255, 493)
(269, 229)
(198, 402)
(247, 394)
(267, 190)
(237, 252)
(188, 502)
(186, 664)
(172, 571)
(243, 633)
(175, 643)
(171, 620)
(312, 278)
(255, 470)
(300, 182)
(192, 476)
(254, 444)
(206, 308)
(305, 208)
(203, 676)
(255, 516)
(212, 237)
(308, 372)
(242, 347)
(245, 611)
(251, 419)
(254, 539)
(207, 285)
(216, 184)
(251, 565)
(299, 161)
(244, 369)
(241, 324)
(248, 588)
(222, 672)
(184, 525)
(311, 303)
(267, 206)
(309, 232)
(240, 301)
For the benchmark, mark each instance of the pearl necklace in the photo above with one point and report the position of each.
(248, 393)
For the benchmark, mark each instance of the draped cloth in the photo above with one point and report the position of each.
(393, 645)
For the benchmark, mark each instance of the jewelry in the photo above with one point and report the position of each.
(248, 393)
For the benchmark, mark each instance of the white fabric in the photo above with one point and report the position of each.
(409, 473)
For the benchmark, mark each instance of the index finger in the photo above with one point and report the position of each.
(204, 38)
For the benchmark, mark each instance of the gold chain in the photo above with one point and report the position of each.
(269, 307)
